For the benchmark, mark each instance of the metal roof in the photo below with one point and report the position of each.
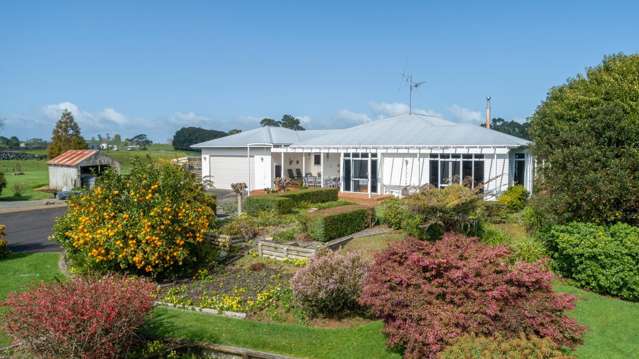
(263, 136)
(403, 130)
(413, 130)
(72, 158)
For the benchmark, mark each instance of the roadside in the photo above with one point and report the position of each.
(19, 206)
(28, 230)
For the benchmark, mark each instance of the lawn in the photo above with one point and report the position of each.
(36, 174)
(19, 271)
(612, 324)
(365, 341)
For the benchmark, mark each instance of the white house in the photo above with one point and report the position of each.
(390, 156)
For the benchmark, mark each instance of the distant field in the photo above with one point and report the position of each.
(36, 174)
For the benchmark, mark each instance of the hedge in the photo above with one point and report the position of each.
(331, 223)
(604, 259)
(314, 195)
(278, 204)
(285, 202)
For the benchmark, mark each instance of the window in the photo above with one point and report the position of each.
(466, 169)
(317, 160)
(520, 168)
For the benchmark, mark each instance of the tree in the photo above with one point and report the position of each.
(586, 133)
(513, 128)
(66, 136)
(270, 122)
(291, 122)
(117, 139)
(13, 142)
(187, 136)
(140, 140)
(234, 131)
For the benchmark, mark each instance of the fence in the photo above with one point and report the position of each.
(270, 249)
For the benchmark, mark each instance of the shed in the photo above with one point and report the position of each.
(78, 168)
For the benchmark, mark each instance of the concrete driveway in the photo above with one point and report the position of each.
(28, 231)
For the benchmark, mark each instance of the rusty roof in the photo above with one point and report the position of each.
(72, 157)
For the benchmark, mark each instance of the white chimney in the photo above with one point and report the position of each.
(488, 112)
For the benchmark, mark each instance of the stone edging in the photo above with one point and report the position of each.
(210, 311)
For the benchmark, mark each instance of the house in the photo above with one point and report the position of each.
(395, 156)
(78, 168)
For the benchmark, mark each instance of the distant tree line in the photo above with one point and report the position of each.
(185, 137)
(514, 128)
(13, 143)
(287, 121)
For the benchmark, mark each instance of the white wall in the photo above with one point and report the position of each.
(63, 178)
(404, 170)
(243, 167)
(497, 174)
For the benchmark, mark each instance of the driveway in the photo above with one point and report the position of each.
(28, 231)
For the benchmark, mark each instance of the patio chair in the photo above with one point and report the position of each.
(298, 173)
(290, 173)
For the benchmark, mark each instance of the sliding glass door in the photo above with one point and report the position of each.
(356, 176)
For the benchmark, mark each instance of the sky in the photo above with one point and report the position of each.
(152, 67)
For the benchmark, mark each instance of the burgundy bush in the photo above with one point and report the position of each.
(428, 294)
(80, 318)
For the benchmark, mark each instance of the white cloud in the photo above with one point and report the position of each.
(111, 115)
(462, 114)
(350, 117)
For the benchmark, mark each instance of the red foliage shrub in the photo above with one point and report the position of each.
(80, 318)
(428, 294)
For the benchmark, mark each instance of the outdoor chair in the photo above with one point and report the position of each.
(290, 173)
(298, 173)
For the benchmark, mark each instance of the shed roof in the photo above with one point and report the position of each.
(414, 130)
(266, 135)
(72, 158)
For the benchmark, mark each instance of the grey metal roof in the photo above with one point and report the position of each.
(402, 130)
(414, 130)
(263, 136)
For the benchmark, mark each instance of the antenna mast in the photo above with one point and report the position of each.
(488, 111)
(411, 85)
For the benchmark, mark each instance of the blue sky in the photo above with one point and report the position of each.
(154, 66)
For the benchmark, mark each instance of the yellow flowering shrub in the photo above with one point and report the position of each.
(151, 221)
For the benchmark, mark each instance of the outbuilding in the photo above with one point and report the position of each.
(78, 168)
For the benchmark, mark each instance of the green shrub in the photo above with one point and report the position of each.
(522, 248)
(514, 198)
(331, 223)
(313, 195)
(454, 208)
(474, 347)
(4, 246)
(243, 226)
(279, 204)
(494, 212)
(391, 212)
(3, 182)
(602, 259)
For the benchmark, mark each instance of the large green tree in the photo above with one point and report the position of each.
(269, 122)
(586, 134)
(187, 136)
(66, 136)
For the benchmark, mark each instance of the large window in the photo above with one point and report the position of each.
(520, 168)
(447, 169)
(356, 176)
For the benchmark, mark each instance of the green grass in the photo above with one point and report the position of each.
(366, 341)
(36, 174)
(370, 245)
(20, 271)
(612, 324)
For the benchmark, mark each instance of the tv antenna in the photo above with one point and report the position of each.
(411, 87)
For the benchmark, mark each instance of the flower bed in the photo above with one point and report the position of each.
(242, 288)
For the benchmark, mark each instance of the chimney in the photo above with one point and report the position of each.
(488, 112)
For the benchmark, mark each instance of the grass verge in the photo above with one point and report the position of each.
(20, 271)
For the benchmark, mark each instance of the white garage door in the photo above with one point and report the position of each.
(225, 170)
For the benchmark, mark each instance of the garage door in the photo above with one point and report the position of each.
(228, 169)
